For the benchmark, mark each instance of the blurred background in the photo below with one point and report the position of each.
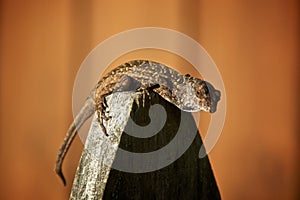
(254, 43)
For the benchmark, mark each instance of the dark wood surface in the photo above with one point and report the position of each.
(189, 177)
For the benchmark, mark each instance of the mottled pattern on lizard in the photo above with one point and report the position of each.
(187, 93)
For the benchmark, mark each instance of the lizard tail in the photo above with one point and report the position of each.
(86, 111)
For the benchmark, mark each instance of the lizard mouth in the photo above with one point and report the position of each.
(214, 103)
(213, 109)
(213, 106)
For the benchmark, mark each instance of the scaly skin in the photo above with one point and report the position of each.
(187, 93)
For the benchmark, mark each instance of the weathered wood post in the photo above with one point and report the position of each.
(187, 177)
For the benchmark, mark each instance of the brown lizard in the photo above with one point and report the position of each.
(187, 93)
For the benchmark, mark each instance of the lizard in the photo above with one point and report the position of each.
(188, 93)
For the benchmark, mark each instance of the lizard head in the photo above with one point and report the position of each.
(207, 96)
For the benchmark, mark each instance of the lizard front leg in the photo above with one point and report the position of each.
(144, 89)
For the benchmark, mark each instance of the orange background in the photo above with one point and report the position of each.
(254, 43)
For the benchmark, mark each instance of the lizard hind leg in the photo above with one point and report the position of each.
(102, 114)
(100, 122)
(105, 105)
